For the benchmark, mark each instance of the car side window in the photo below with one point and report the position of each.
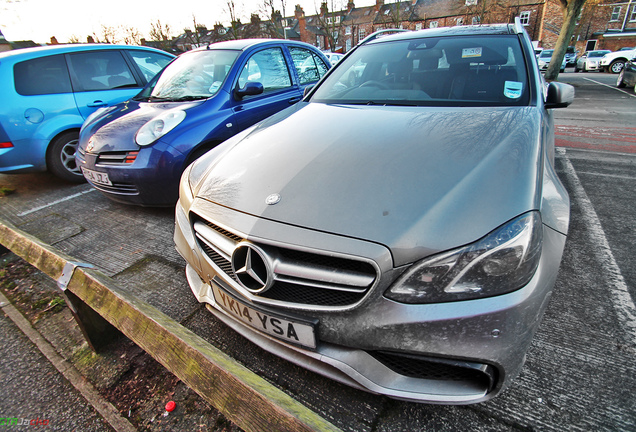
(45, 75)
(309, 66)
(100, 70)
(149, 63)
(267, 67)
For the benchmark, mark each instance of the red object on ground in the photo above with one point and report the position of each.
(170, 406)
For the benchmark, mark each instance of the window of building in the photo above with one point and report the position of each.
(319, 41)
(616, 13)
(471, 2)
(632, 16)
(459, 21)
(362, 34)
(524, 17)
(418, 26)
(476, 20)
(433, 24)
(348, 30)
(348, 45)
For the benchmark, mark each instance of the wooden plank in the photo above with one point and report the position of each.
(242, 396)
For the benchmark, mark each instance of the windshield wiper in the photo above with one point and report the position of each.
(190, 98)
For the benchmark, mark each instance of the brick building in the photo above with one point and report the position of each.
(610, 25)
(601, 25)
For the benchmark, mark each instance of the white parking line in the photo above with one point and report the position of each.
(612, 87)
(622, 300)
(607, 175)
(55, 202)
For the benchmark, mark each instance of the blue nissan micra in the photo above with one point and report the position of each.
(135, 152)
(48, 92)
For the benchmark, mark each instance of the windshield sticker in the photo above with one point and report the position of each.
(471, 52)
(513, 89)
(215, 86)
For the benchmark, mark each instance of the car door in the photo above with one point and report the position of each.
(269, 67)
(309, 66)
(101, 78)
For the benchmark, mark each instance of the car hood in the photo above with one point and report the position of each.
(417, 180)
(115, 129)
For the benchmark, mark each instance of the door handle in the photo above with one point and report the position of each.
(96, 104)
(294, 100)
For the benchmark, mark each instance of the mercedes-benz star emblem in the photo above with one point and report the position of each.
(251, 265)
(90, 145)
(272, 199)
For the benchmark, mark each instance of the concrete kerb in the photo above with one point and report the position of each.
(243, 397)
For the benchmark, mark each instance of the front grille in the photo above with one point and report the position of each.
(119, 188)
(437, 369)
(300, 278)
(117, 158)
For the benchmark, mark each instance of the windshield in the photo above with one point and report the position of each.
(547, 54)
(597, 53)
(462, 70)
(193, 75)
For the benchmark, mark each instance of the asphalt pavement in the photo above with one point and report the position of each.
(580, 372)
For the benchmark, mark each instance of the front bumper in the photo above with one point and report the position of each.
(485, 340)
(151, 180)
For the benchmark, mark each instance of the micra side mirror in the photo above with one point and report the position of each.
(249, 89)
(559, 95)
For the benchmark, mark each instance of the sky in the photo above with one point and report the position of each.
(39, 20)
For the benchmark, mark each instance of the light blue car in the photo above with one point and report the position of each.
(48, 92)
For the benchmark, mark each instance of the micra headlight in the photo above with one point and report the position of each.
(503, 261)
(159, 126)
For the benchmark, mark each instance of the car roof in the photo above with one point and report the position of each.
(34, 52)
(243, 44)
(477, 30)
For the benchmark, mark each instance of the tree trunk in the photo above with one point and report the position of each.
(571, 10)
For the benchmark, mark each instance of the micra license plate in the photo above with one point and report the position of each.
(277, 326)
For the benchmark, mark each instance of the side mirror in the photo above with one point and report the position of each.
(249, 89)
(559, 95)
(308, 89)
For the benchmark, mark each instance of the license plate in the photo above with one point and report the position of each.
(96, 177)
(274, 325)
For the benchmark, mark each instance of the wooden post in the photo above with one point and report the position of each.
(100, 305)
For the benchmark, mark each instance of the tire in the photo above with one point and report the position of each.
(616, 66)
(619, 81)
(576, 69)
(60, 158)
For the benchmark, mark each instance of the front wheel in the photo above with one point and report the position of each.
(60, 157)
(619, 81)
(616, 66)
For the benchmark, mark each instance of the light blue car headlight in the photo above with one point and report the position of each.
(503, 261)
(159, 126)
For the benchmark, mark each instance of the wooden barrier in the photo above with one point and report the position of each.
(100, 307)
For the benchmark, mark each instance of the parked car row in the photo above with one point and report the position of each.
(394, 222)
(48, 93)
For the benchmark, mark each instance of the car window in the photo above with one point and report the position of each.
(45, 75)
(100, 70)
(469, 71)
(267, 67)
(149, 63)
(193, 75)
(309, 66)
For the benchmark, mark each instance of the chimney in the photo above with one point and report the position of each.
(378, 5)
(302, 25)
(350, 6)
(323, 9)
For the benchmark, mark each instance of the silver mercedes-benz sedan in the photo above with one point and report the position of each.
(400, 230)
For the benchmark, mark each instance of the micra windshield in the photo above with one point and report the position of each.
(192, 76)
(450, 71)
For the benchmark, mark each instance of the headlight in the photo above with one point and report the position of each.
(503, 261)
(159, 126)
